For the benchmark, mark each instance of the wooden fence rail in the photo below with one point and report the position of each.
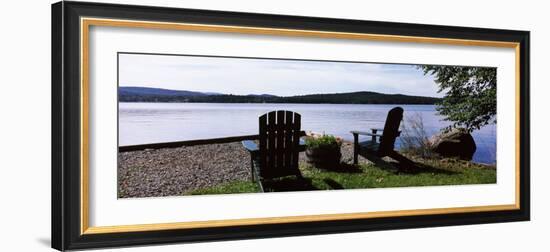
(186, 143)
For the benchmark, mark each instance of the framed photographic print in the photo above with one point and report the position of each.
(179, 125)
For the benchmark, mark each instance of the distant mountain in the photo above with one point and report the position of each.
(147, 91)
(139, 94)
(261, 95)
(363, 97)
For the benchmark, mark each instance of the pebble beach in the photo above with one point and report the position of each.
(176, 171)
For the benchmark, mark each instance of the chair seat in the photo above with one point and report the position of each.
(369, 146)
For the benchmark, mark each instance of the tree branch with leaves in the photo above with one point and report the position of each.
(470, 95)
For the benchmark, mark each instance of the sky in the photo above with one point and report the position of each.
(243, 76)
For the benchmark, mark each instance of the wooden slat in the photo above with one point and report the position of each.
(289, 116)
(271, 117)
(280, 139)
(296, 139)
(263, 142)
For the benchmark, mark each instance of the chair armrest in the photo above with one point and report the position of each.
(364, 133)
(356, 132)
(302, 145)
(377, 129)
(375, 135)
(250, 146)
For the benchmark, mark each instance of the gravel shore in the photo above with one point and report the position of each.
(174, 171)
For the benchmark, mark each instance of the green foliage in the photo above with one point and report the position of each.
(470, 95)
(323, 142)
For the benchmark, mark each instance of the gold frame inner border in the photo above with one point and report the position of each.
(86, 23)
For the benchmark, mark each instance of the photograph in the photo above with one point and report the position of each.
(204, 124)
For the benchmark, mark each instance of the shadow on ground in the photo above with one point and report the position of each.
(408, 166)
(403, 166)
(289, 184)
(344, 168)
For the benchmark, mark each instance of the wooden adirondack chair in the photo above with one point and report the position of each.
(279, 146)
(375, 150)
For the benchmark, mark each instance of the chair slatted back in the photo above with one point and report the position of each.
(279, 141)
(391, 130)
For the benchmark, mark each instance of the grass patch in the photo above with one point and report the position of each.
(430, 172)
(233, 187)
(375, 177)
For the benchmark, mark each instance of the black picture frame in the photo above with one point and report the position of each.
(66, 125)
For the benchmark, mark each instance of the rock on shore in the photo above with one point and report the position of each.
(456, 143)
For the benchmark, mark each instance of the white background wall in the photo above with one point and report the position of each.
(25, 125)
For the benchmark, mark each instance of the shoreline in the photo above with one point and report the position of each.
(176, 144)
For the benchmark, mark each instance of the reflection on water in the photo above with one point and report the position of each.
(141, 123)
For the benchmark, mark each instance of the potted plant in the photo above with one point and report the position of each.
(323, 151)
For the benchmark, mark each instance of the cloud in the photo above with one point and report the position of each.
(268, 76)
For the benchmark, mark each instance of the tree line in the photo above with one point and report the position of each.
(340, 98)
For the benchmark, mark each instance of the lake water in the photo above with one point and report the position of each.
(142, 123)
